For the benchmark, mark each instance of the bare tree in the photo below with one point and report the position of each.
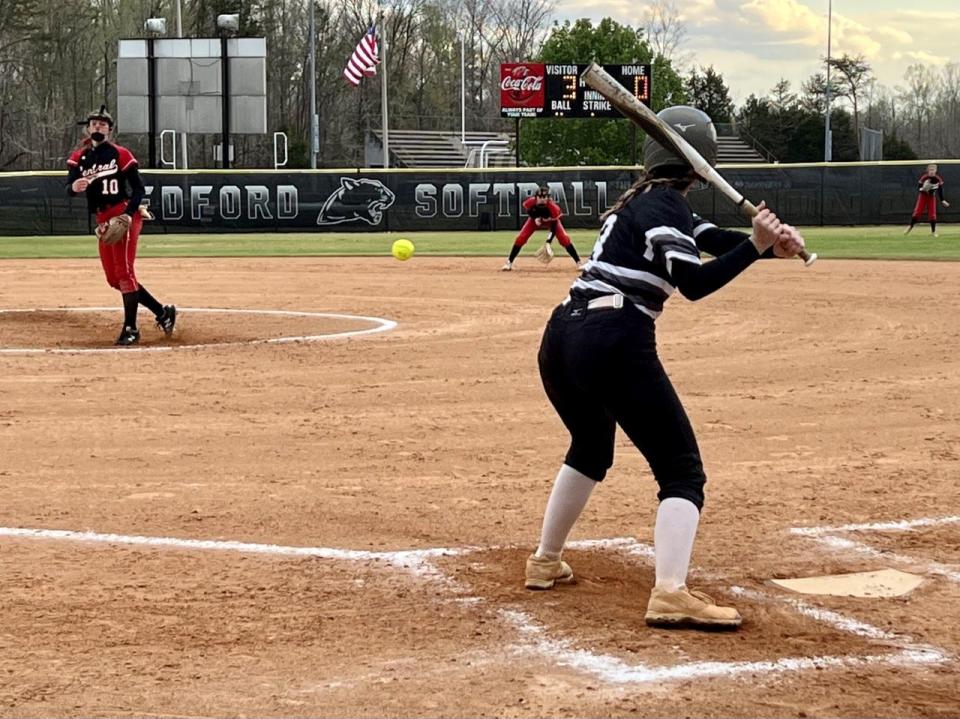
(854, 75)
(918, 96)
(948, 101)
(523, 27)
(483, 42)
(665, 31)
(57, 61)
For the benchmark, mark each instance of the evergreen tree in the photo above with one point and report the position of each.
(707, 91)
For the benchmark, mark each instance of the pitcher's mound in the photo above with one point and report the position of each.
(96, 328)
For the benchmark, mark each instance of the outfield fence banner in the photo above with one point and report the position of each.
(408, 200)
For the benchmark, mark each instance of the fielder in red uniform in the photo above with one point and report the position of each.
(109, 177)
(929, 189)
(543, 213)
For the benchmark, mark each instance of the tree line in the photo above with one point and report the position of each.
(58, 61)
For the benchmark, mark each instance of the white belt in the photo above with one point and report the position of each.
(605, 302)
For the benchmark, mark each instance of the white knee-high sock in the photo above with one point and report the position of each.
(571, 490)
(673, 536)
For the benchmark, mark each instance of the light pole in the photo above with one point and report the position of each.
(314, 120)
(183, 137)
(827, 134)
(463, 93)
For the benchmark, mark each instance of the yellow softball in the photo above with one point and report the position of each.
(402, 249)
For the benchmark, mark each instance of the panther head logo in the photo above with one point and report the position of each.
(356, 199)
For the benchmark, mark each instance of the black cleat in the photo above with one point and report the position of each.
(167, 320)
(128, 336)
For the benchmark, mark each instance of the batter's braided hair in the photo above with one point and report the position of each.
(679, 177)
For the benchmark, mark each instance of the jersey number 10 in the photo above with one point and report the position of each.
(111, 187)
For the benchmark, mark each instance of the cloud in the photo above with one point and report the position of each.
(700, 12)
(797, 23)
(928, 16)
(784, 16)
(753, 43)
(852, 37)
(925, 57)
(895, 34)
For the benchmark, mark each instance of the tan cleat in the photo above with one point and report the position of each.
(543, 573)
(688, 608)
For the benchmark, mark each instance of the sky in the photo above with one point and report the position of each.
(755, 43)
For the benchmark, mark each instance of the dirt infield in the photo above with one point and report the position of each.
(338, 528)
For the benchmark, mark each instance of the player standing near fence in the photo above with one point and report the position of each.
(109, 177)
(929, 189)
(599, 364)
(542, 212)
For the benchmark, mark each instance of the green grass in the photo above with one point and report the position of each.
(883, 242)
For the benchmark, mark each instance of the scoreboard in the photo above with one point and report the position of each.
(530, 89)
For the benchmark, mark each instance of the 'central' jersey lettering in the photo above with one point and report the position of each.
(112, 172)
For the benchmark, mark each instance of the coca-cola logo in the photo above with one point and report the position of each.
(520, 85)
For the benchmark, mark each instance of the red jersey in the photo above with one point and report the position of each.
(934, 183)
(549, 210)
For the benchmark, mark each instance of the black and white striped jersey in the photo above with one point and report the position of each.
(640, 245)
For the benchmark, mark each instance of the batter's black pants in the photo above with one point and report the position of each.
(600, 369)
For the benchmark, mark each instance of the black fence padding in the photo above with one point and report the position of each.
(402, 201)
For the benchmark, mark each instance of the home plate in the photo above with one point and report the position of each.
(884, 583)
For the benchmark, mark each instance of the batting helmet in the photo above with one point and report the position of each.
(100, 114)
(694, 126)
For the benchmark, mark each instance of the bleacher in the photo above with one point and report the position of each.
(432, 148)
(734, 151)
(435, 148)
(735, 146)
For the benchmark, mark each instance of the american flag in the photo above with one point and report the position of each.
(364, 60)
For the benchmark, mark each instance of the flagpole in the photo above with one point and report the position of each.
(383, 97)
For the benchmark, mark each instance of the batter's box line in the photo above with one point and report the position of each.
(615, 670)
(829, 538)
(414, 561)
(421, 563)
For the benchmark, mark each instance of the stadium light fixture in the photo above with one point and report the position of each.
(228, 23)
(155, 26)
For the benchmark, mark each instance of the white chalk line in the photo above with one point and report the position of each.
(417, 561)
(420, 562)
(380, 325)
(827, 536)
(624, 545)
(848, 545)
(848, 624)
(905, 525)
(616, 671)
